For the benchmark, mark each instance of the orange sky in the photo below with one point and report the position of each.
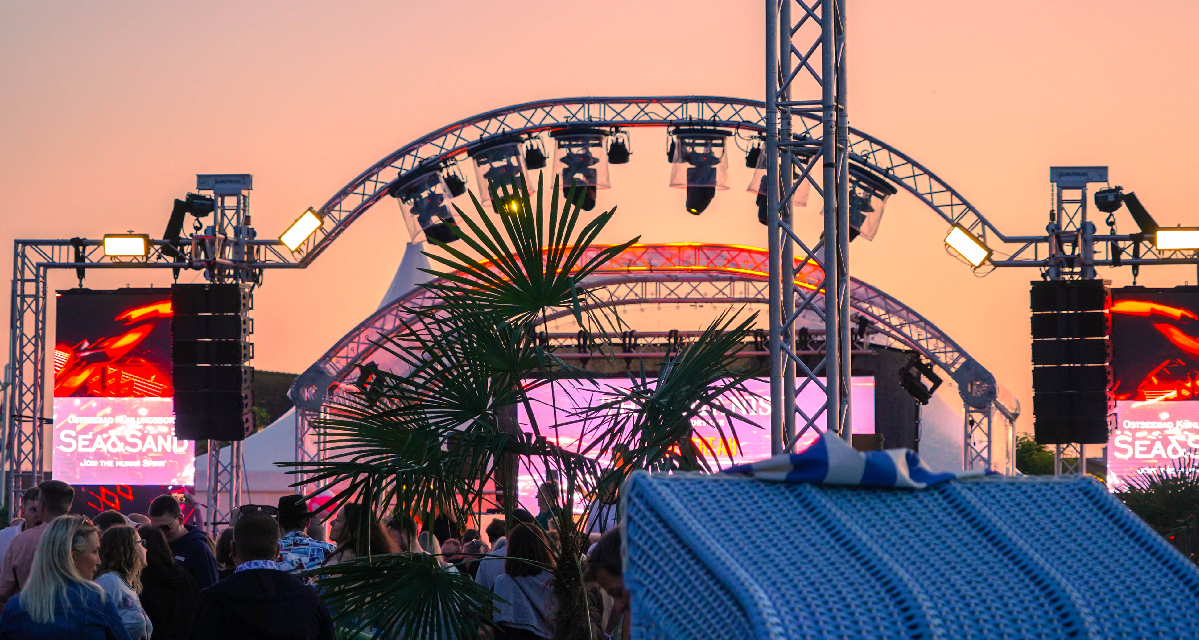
(109, 110)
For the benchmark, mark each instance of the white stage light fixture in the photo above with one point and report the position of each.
(301, 229)
(966, 245)
(126, 245)
(699, 165)
(1177, 239)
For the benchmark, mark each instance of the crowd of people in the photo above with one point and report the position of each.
(154, 577)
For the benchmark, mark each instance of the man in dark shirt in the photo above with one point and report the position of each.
(189, 544)
(259, 600)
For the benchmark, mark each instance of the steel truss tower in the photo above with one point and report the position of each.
(805, 43)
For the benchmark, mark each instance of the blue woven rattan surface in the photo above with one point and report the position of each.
(728, 557)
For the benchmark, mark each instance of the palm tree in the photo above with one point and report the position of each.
(1167, 499)
(433, 431)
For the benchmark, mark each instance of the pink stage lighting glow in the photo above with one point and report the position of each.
(558, 403)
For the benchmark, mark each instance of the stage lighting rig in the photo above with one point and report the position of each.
(194, 204)
(126, 245)
(424, 202)
(753, 157)
(454, 180)
(699, 165)
(534, 154)
(301, 229)
(757, 184)
(919, 379)
(868, 194)
(618, 147)
(582, 165)
(1109, 200)
(964, 244)
(500, 169)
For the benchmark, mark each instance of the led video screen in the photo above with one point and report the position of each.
(558, 403)
(1155, 369)
(90, 500)
(113, 392)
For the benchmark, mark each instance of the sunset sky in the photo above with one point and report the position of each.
(109, 110)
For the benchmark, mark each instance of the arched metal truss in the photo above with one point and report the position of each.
(455, 140)
(697, 273)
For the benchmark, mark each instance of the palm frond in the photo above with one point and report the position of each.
(404, 595)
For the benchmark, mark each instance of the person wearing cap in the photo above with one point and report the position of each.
(298, 551)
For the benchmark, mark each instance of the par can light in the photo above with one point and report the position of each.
(301, 229)
(1177, 239)
(967, 246)
(126, 245)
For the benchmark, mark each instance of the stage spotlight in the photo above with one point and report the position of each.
(912, 378)
(1177, 239)
(534, 154)
(581, 164)
(455, 183)
(868, 194)
(699, 165)
(301, 229)
(618, 148)
(967, 246)
(1109, 200)
(753, 157)
(500, 169)
(126, 245)
(423, 200)
(757, 184)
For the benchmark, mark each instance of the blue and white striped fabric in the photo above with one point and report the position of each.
(830, 460)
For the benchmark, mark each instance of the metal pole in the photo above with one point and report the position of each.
(832, 271)
(786, 170)
(845, 341)
(772, 240)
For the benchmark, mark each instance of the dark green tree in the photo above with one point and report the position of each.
(1032, 458)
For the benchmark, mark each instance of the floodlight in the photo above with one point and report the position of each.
(126, 245)
(1177, 239)
(455, 183)
(967, 246)
(500, 169)
(618, 149)
(919, 379)
(301, 229)
(581, 164)
(423, 200)
(699, 165)
(753, 157)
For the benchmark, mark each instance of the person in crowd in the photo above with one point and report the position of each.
(345, 533)
(224, 553)
(495, 531)
(445, 524)
(451, 550)
(188, 543)
(318, 530)
(472, 552)
(138, 519)
(54, 500)
(28, 520)
(469, 535)
(300, 552)
(493, 565)
(106, 520)
(59, 600)
(547, 501)
(259, 600)
(429, 543)
(401, 529)
(122, 559)
(525, 605)
(169, 593)
(605, 567)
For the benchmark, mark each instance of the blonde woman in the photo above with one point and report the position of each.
(122, 558)
(60, 600)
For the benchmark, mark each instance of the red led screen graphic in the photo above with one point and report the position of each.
(1155, 366)
(92, 499)
(114, 344)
